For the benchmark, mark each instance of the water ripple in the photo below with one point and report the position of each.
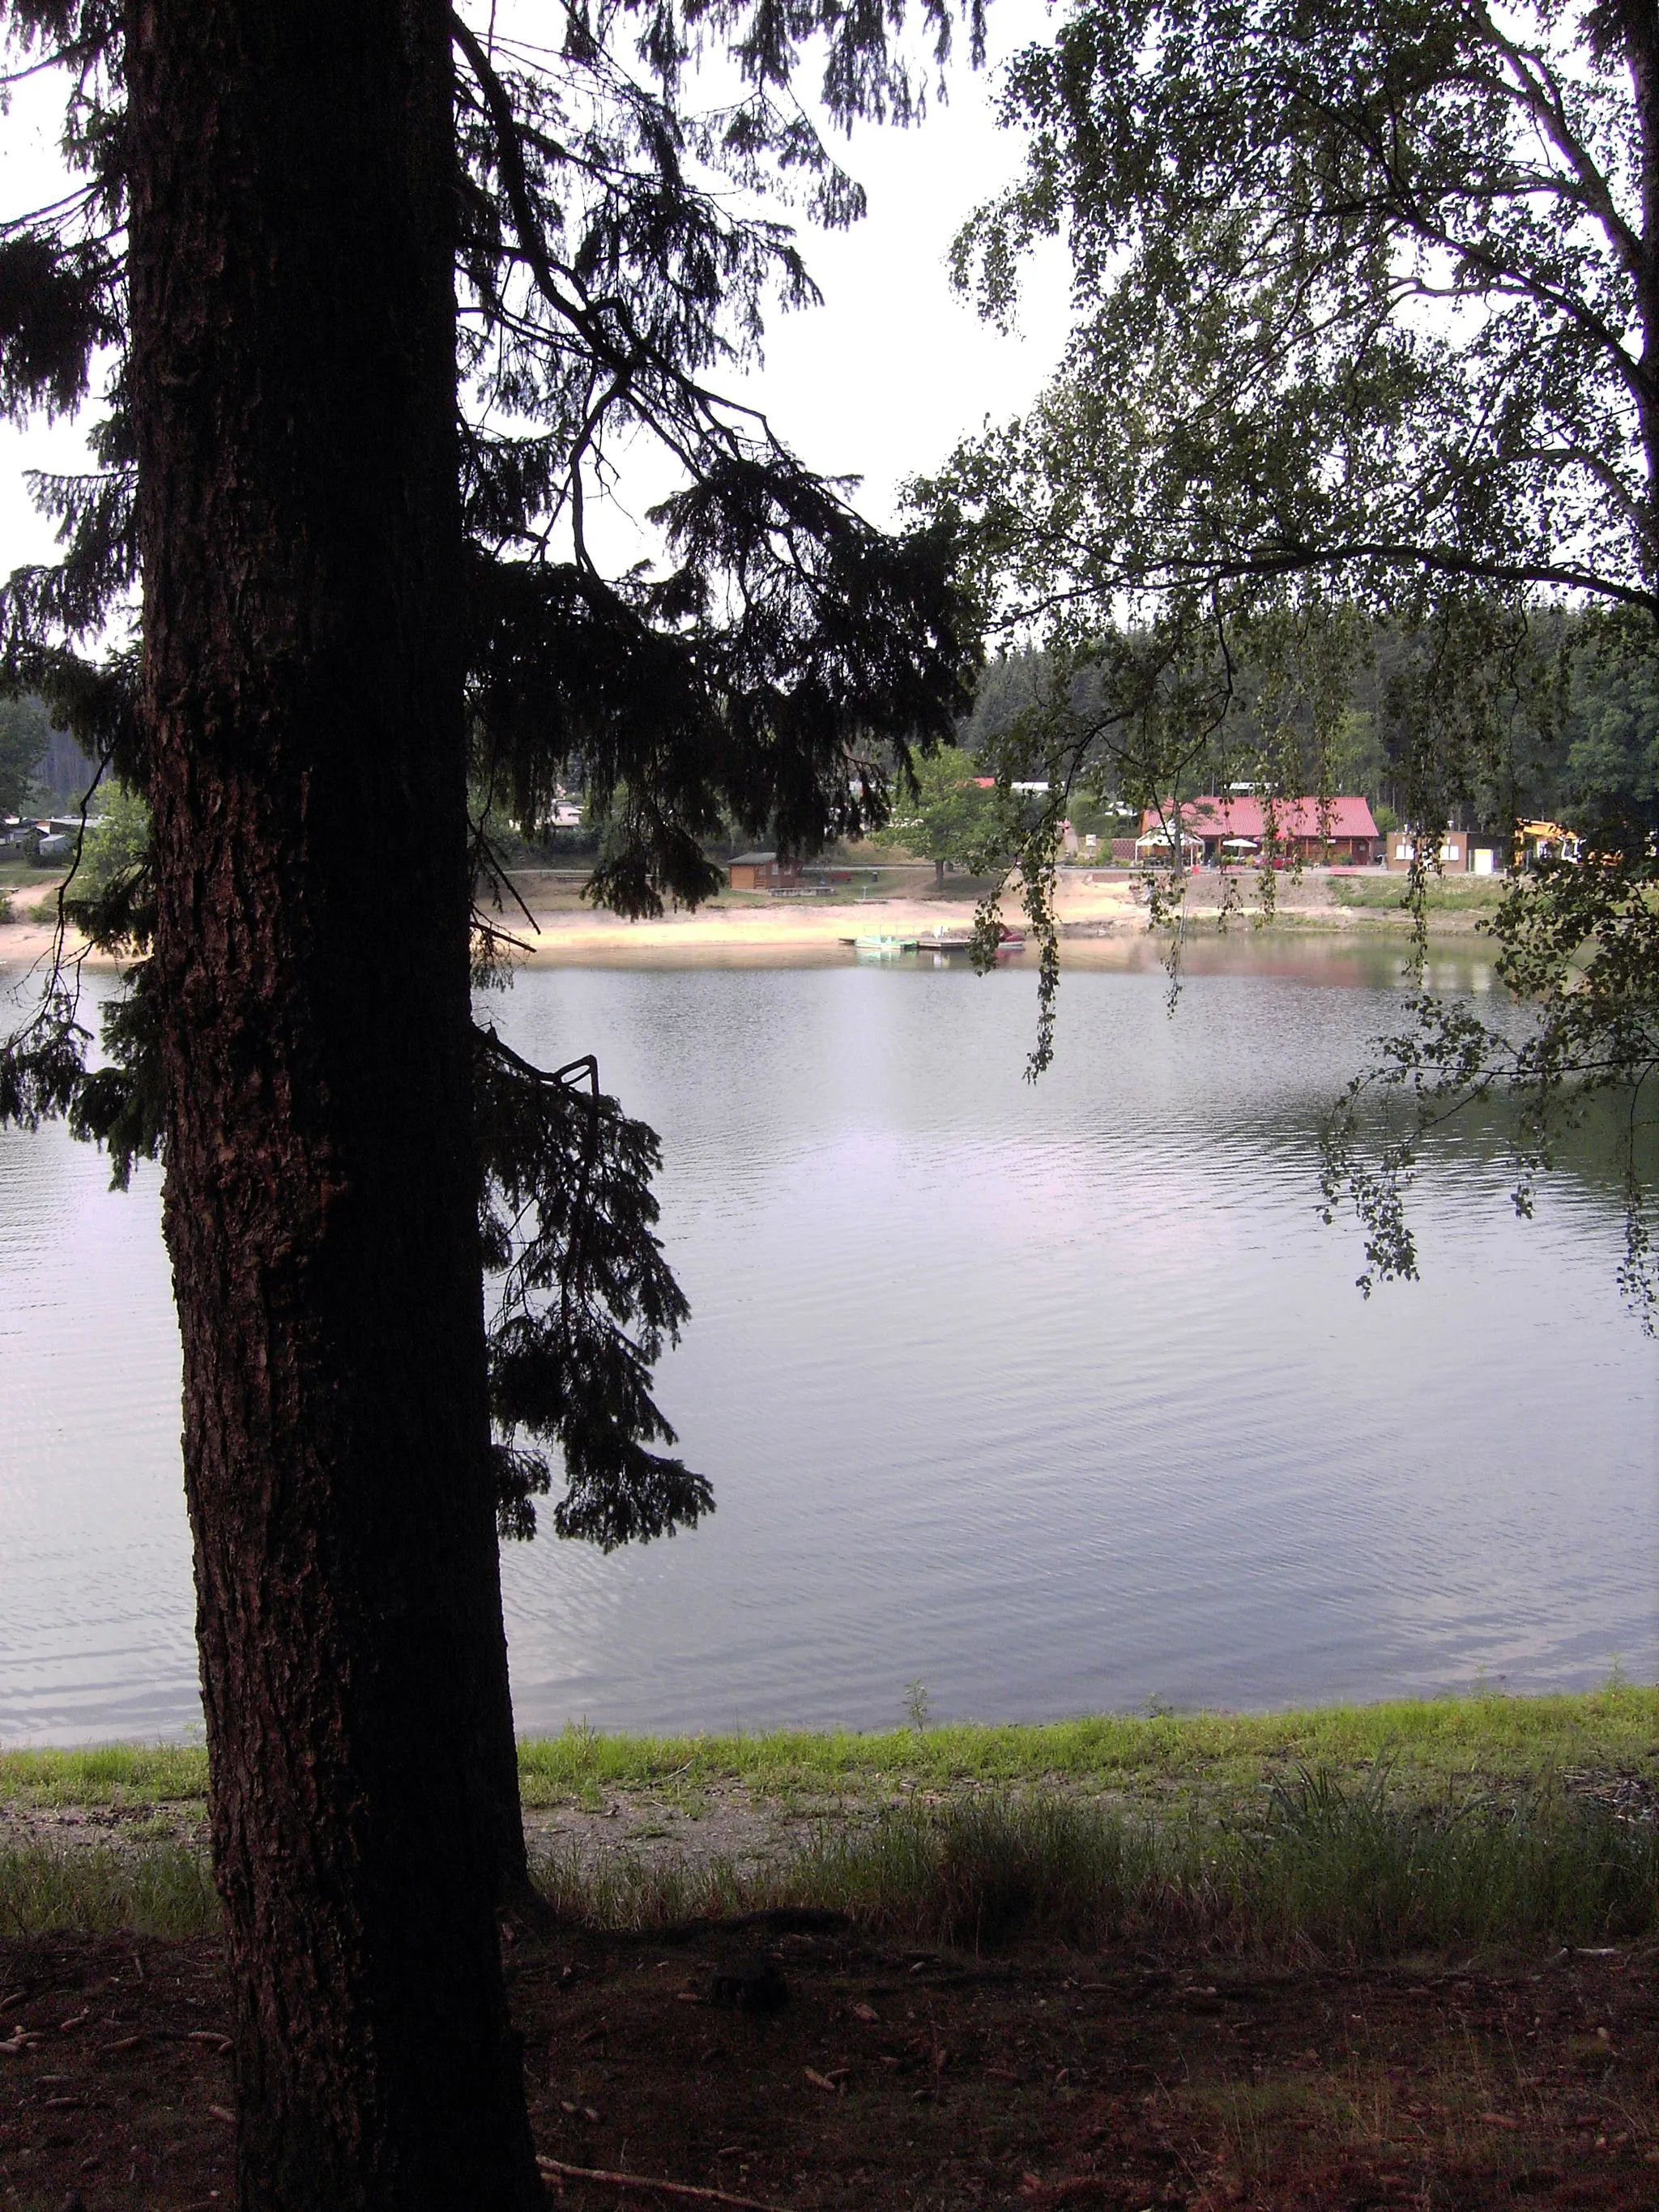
(1055, 1397)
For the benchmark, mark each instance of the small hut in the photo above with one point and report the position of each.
(762, 871)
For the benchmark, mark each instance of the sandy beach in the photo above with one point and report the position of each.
(1097, 909)
(766, 930)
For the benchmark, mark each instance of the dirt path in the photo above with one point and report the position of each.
(728, 1823)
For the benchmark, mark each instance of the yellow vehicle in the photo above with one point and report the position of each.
(1544, 841)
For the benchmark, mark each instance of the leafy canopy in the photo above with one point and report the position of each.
(943, 813)
(1366, 339)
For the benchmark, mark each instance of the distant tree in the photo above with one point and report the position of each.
(24, 731)
(379, 295)
(1611, 729)
(117, 846)
(1366, 343)
(942, 813)
(1009, 686)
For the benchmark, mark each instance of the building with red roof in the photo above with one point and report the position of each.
(1241, 828)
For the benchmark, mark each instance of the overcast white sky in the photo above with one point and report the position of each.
(877, 383)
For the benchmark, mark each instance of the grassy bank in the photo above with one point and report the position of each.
(1445, 895)
(1324, 1867)
(1187, 1757)
(1341, 1870)
(1163, 1759)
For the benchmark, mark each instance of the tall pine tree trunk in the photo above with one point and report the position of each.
(293, 372)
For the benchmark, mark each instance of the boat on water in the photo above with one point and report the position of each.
(962, 941)
(888, 945)
(882, 946)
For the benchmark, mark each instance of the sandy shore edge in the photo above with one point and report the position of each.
(1101, 923)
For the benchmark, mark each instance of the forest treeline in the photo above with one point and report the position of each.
(1583, 746)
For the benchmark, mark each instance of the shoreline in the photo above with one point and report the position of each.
(758, 1800)
(1100, 923)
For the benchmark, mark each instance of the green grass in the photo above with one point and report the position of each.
(1165, 1758)
(1445, 894)
(1430, 1741)
(111, 1774)
(1342, 1871)
(163, 1890)
(1323, 1866)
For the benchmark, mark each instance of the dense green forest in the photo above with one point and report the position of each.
(41, 770)
(1583, 746)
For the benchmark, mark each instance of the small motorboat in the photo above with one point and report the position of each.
(962, 941)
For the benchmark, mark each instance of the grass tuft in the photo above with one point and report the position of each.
(626, 1892)
(1346, 1873)
(163, 1890)
(1357, 1874)
(978, 1874)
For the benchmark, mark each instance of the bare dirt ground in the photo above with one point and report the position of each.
(727, 1822)
(894, 2077)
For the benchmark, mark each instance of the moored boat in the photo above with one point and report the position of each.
(962, 941)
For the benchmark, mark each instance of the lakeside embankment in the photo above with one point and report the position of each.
(976, 1999)
(1099, 916)
(1001, 1965)
(750, 1799)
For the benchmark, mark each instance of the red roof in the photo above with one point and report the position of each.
(1292, 818)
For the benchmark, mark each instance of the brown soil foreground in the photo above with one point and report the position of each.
(893, 2077)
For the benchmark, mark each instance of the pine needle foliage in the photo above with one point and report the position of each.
(587, 1303)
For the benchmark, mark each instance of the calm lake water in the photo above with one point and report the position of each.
(1052, 1399)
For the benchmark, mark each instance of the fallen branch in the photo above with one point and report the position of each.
(557, 2167)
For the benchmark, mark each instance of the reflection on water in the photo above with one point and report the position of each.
(1056, 1398)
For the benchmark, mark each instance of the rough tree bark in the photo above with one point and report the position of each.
(293, 364)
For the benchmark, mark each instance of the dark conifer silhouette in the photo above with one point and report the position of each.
(373, 303)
